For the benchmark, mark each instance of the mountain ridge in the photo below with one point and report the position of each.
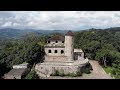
(16, 33)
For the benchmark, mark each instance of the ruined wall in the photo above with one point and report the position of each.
(51, 69)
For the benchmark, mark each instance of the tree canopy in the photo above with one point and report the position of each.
(101, 45)
(25, 49)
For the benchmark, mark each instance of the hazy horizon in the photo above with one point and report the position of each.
(59, 20)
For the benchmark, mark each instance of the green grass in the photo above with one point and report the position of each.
(107, 69)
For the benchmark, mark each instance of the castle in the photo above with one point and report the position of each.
(61, 55)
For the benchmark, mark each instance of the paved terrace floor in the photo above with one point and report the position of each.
(97, 73)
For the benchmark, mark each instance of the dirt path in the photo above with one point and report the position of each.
(97, 73)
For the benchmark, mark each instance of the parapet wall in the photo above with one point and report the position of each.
(50, 69)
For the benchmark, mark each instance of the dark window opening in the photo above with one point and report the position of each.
(79, 54)
(56, 41)
(56, 51)
(48, 41)
(49, 51)
(62, 51)
(62, 41)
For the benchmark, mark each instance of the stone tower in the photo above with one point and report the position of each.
(69, 50)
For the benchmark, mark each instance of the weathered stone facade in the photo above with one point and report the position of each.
(69, 47)
(57, 58)
(60, 55)
(53, 51)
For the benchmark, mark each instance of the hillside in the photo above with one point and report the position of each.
(8, 33)
(102, 45)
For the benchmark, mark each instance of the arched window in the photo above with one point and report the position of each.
(56, 51)
(62, 51)
(56, 41)
(49, 51)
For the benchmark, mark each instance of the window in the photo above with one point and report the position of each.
(56, 41)
(49, 51)
(48, 41)
(62, 41)
(62, 51)
(79, 54)
(56, 51)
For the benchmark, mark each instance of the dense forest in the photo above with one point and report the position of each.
(28, 49)
(102, 45)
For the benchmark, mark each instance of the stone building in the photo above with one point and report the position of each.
(18, 72)
(61, 55)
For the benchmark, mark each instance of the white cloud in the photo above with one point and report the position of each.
(7, 24)
(16, 24)
(59, 19)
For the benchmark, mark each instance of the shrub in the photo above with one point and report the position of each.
(32, 75)
(116, 71)
(79, 73)
(56, 73)
(61, 73)
(87, 71)
(72, 74)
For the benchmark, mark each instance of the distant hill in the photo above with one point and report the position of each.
(8, 33)
(112, 29)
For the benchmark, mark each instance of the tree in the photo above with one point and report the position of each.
(116, 70)
(22, 50)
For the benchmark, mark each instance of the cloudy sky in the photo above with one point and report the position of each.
(60, 20)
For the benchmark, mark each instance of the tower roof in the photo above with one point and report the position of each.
(69, 33)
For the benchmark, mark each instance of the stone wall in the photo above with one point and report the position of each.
(56, 58)
(53, 51)
(48, 70)
(19, 66)
(12, 77)
(52, 42)
(78, 55)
